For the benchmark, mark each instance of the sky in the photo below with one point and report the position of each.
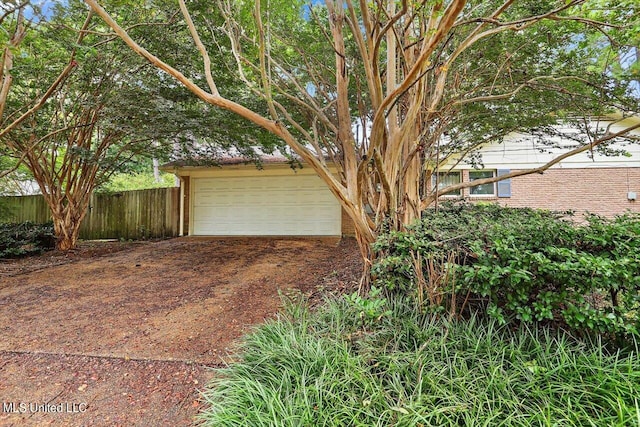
(46, 7)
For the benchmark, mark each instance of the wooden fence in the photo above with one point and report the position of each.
(127, 215)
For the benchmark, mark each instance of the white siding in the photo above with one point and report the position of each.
(520, 151)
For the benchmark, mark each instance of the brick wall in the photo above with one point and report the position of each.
(348, 228)
(597, 190)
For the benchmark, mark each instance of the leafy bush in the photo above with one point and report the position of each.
(524, 265)
(24, 239)
(409, 369)
(136, 181)
(5, 210)
(370, 308)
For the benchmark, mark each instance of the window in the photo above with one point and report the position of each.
(445, 179)
(484, 189)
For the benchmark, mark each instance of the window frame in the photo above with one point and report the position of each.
(435, 182)
(494, 192)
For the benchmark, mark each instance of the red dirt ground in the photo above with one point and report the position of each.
(123, 334)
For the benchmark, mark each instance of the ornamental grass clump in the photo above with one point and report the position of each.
(411, 368)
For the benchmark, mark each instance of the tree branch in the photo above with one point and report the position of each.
(272, 126)
(203, 50)
(54, 86)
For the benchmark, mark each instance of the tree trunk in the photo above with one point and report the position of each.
(368, 259)
(67, 219)
(156, 171)
(67, 230)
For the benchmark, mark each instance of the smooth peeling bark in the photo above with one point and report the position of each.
(405, 71)
(67, 232)
(67, 213)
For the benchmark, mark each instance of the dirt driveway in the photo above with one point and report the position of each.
(121, 334)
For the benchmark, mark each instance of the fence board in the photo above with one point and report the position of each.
(135, 214)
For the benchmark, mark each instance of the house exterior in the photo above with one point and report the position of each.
(586, 182)
(238, 199)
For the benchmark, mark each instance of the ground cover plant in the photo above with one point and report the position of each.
(482, 316)
(520, 266)
(373, 362)
(25, 239)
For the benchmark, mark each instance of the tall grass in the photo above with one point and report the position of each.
(335, 368)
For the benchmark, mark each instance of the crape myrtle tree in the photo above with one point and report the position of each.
(618, 49)
(111, 111)
(90, 125)
(72, 141)
(15, 26)
(391, 90)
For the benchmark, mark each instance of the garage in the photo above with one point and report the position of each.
(263, 204)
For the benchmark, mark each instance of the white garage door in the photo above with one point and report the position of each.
(298, 205)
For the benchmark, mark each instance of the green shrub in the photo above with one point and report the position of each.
(523, 265)
(24, 239)
(5, 209)
(410, 369)
(136, 181)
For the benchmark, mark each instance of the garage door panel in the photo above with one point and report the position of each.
(265, 196)
(250, 213)
(272, 205)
